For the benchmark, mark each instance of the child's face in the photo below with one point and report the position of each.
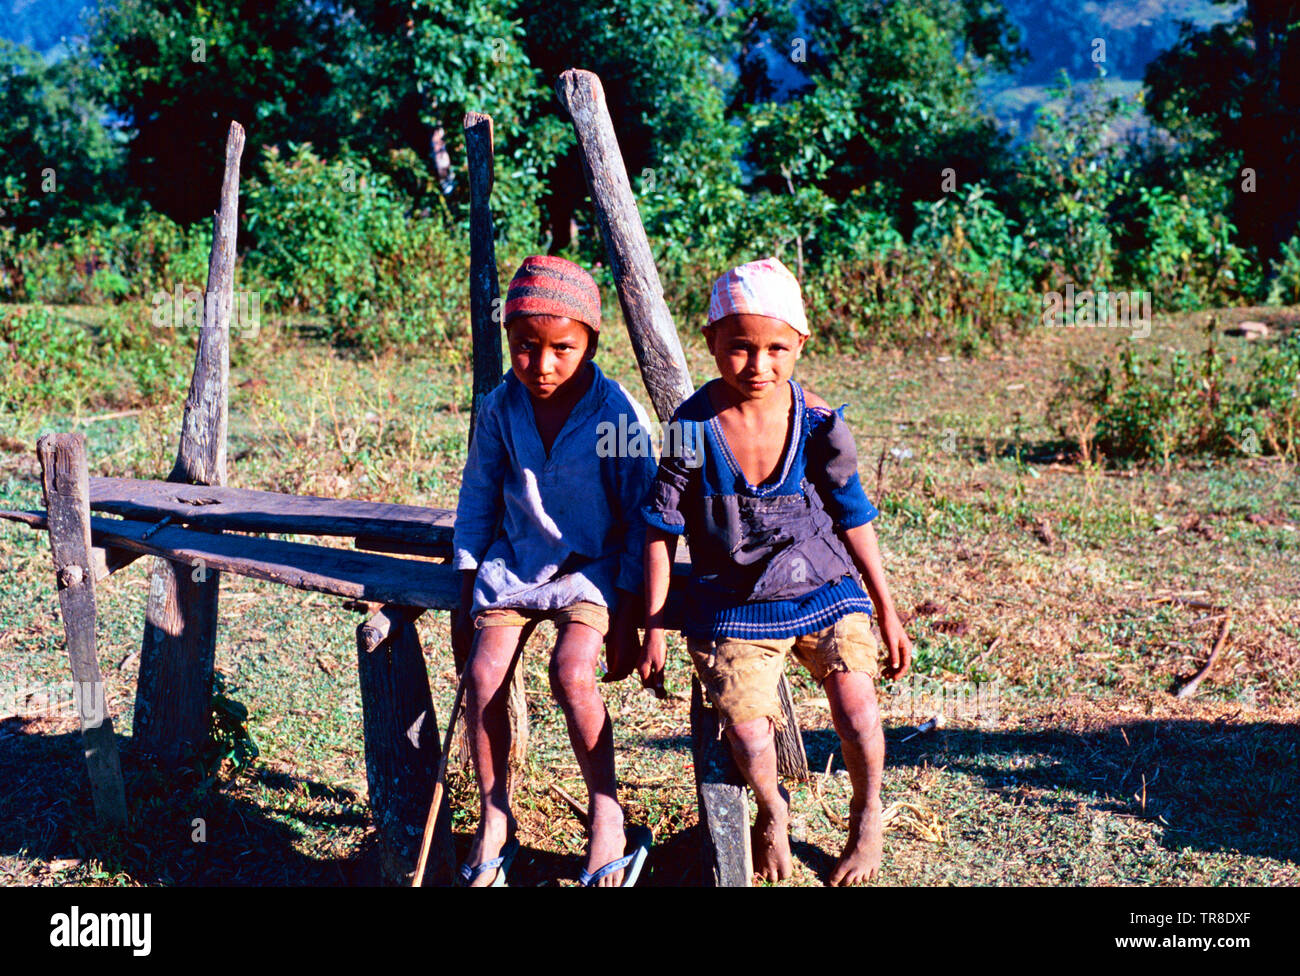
(755, 353)
(546, 352)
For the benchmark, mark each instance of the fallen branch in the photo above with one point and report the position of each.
(1193, 683)
(574, 805)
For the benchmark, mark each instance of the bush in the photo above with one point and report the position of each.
(1141, 408)
(1188, 260)
(1285, 287)
(337, 239)
(94, 263)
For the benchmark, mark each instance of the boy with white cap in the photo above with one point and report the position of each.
(770, 502)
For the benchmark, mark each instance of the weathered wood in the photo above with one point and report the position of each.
(173, 703)
(486, 316)
(106, 560)
(340, 572)
(486, 313)
(791, 759)
(654, 337)
(402, 752)
(64, 479)
(724, 807)
(385, 622)
(248, 510)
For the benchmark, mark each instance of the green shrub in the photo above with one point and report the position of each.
(337, 239)
(1188, 260)
(1285, 287)
(1143, 408)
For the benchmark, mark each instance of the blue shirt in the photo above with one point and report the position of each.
(766, 560)
(545, 532)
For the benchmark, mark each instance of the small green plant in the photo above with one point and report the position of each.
(1142, 408)
(230, 740)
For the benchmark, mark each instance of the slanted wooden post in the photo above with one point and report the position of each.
(66, 482)
(654, 337)
(402, 747)
(173, 701)
(486, 317)
(723, 807)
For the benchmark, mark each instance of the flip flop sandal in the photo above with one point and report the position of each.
(500, 864)
(639, 840)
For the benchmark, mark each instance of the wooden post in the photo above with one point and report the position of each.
(486, 317)
(66, 483)
(486, 313)
(402, 748)
(174, 697)
(728, 858)
(667, 380)
(654, 337)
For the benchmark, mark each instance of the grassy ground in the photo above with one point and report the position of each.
(1073, 597)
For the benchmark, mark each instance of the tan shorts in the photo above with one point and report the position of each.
(741, 675)
(583, 612)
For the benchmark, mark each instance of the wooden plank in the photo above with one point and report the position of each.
(173, 702)
(728, 859)
(402, 751)
(649, 323)
(64, 479)
(339, 572)
(248, 510)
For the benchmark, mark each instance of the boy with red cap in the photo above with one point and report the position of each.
(769, 500)
(547, 528)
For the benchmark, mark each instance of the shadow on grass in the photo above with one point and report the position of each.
(1217, 786)
(46, 815)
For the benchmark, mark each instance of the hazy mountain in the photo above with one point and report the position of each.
(42, 24)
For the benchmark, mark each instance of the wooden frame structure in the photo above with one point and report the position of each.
(192, 525)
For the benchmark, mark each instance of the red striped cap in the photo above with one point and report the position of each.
(546, 285)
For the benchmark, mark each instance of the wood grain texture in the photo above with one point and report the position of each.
(248, 510)
(791, 759)
(728, 859)
(486, 311)
(402, 752)
(640, 292)
(173, 702)
(64, 478)
(368, 576)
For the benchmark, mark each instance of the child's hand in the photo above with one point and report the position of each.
(623, 643)
(654, 652)
(897, 643)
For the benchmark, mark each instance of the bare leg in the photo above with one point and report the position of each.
(573, 682)
(852, 697)
(486, 695)
(752, 745)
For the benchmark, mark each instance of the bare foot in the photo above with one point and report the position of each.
(607, 844)
(493, 832)
(860, 861)
(771, 842)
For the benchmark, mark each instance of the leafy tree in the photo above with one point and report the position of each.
(58, 161)
(1232, 91)
(180, 71)
(889, 97)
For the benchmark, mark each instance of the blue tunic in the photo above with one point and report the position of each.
(545, 531)
(766, 560)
